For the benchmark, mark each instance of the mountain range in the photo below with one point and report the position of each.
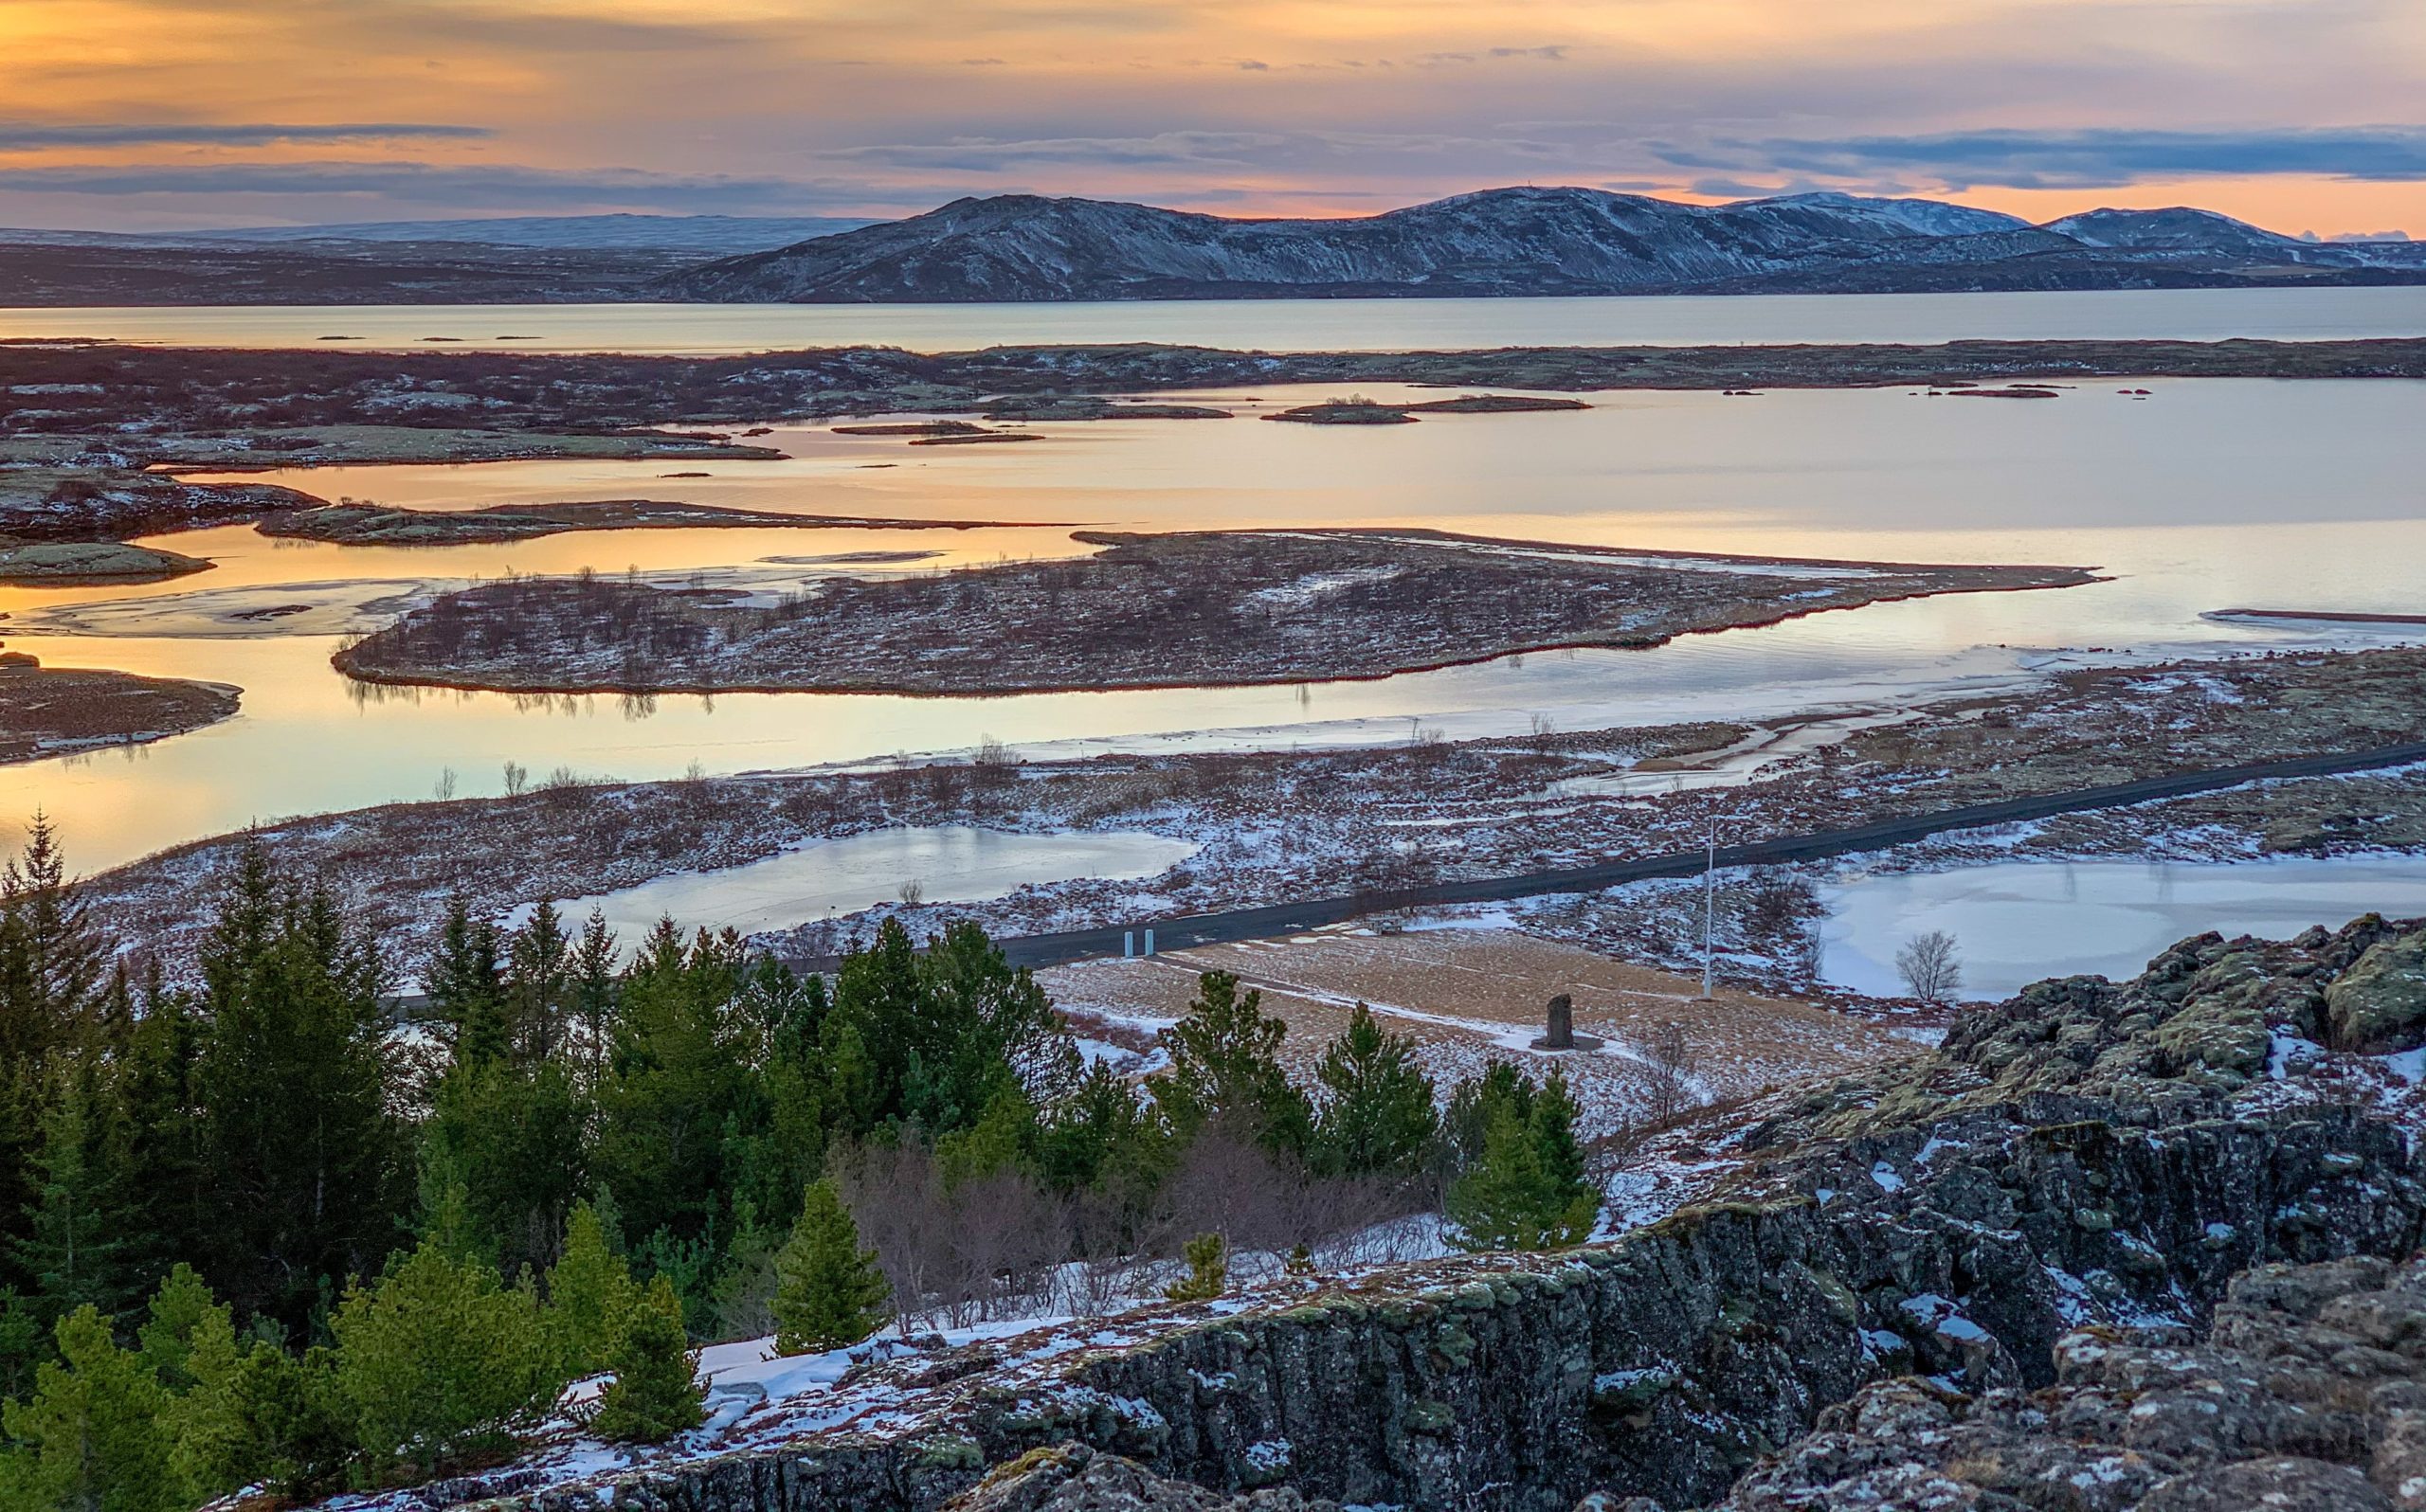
(1018, 247)
(1028, 248)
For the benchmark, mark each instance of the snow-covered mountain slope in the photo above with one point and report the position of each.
(1507, 241)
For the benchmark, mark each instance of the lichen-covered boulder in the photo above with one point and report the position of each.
(2379, 1003)
(1072, 1478)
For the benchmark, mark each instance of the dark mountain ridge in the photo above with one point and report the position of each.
(1024, 247)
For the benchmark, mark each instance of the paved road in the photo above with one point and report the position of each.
(1293, 918)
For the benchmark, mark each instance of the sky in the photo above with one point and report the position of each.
(160, 115)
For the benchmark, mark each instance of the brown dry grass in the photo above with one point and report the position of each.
(1466, 996)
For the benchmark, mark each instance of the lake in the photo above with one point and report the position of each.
(2020, 921)
(1274, 325)
(2208, 495)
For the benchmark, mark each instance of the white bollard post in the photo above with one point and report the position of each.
(1149, 941)
(1127, 944)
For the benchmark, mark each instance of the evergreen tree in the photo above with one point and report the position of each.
(165, 1156)
(1378, 1117)
(679, 1086)
(52, 962)
(1208, 1270)
(1526, 1189)
(828, 1294)
(1096, 1132)
(539, 984)
(983, 1025)
(995, 1143)
(83, 1222)
(656, 1392)
(514, 1136)
(462, 981)
(93, 1436)
(23, 1343)
(1225, 1066)
(297, 1091)
(180, 1310)
(438, 1359)
(590, 1291)
(592, 987)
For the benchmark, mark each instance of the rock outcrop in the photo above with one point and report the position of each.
(2089, 1156)
(2309, 1394)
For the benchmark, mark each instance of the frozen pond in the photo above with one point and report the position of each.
(1275, 325)
(952, 863)
(2021, 922)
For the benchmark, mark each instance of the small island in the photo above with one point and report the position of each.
(74, 564)
(1174, 610)
(60, 712)
(1358, 411)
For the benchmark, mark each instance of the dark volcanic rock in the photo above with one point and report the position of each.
(2309, 1394)
(2032, 1228)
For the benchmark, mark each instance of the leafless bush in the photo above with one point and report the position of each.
(517, 777)
(1669, 1057)
(1931, 966)
(912, 892)
(956, 1254)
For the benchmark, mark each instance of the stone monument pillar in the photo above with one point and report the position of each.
(1561, 1034)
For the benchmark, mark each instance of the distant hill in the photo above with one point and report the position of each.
(1025, 247)
(1520, 242)
(706, 235)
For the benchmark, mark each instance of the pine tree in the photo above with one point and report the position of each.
(1208, 1270)
(180, 1309)
(1378, 1119)
(93, 1436)
(1097, 1130)
(995, 1143)
(656, 1392)
(1226, 1067)
(514, 1136)
(438, 1359)
(590, 1291)
(828, 1294)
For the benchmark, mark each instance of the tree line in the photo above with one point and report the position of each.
(255, 1231)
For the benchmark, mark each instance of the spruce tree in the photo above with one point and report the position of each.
(84, 1223)
(828, 1294)
(592, 987)
(1098, 1130)
(539, 983)
(1378, 1117)
(656, 1392)
(1525, 1187)
(297, 1088)
(590, 1291)
(462, 981)
(52, 962)
(1226, 1067)
(93, 1436)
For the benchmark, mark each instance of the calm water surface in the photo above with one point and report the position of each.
(2021, 922)
(2208, 495)
(1276, 325)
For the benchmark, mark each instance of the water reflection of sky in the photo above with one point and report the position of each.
(2020, 921)
(2208, 495)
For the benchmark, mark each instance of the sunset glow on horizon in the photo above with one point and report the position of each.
(163, 114)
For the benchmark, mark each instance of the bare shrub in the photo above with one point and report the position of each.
(912, 892)
(1931, 966)
(1669, 1057)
